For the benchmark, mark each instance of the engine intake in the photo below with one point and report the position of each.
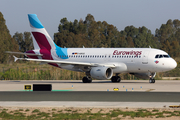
(101, 73)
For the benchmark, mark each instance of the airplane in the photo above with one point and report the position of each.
(98, 63)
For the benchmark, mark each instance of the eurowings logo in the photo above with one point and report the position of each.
(116, 52)
(156, 61)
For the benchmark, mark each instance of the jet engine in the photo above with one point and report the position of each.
(101, 73)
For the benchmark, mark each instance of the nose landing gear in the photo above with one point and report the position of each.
(151, 80)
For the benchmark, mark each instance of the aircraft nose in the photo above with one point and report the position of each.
(173, 64)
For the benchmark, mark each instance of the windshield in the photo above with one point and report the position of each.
(162, 56)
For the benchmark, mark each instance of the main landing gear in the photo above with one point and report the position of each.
(116, 78)
(87, 79)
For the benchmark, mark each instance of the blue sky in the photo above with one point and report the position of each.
(120, 13)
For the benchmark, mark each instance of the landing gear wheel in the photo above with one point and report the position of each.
(116, 79)
(151, 80)
(86, 80)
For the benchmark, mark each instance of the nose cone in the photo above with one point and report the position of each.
(173, 64)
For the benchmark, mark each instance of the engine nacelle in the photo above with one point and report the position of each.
(101, 73)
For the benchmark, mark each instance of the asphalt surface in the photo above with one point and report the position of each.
(96, 85)
(97, 96)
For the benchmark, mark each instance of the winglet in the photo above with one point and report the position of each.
(15, 58)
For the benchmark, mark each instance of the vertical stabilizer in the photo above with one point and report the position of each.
(41, 40)
(43, 44)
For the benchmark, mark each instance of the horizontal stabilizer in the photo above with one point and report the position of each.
(20, 53)
(15, 58)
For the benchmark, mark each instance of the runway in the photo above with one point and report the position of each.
(74, 93)
(96, 85)
(97, 96)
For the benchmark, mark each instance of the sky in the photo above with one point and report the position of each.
(120, 13)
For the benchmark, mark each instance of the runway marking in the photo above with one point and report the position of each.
(51, 90)
(150, 90)
(61, 90)
(174, 106)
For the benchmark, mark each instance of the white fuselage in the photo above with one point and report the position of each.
(131, 60)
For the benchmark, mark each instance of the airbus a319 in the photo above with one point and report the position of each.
(98, 63)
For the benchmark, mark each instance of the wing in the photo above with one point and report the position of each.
(65, 62)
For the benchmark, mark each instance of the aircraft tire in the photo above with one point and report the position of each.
(86, 80)
(118, 79)
(115, 79)
(89, 80)
(151, 80)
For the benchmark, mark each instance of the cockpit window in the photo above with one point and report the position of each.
(162, 56)
(157, 56)
(166, 56)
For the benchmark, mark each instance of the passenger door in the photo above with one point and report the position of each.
(145, 57)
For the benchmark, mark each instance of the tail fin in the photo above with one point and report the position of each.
(41, 40)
